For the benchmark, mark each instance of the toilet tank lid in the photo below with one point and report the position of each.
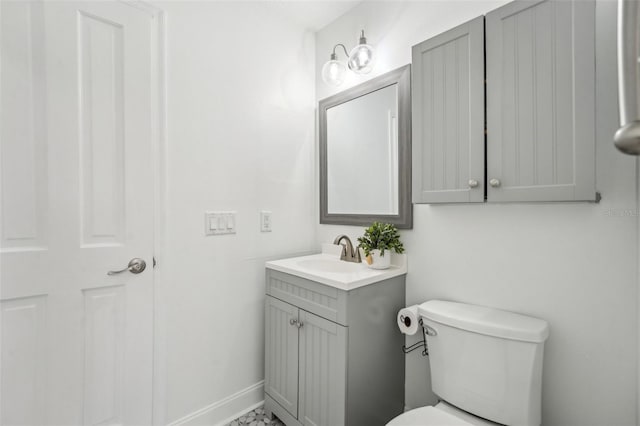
(483, 320)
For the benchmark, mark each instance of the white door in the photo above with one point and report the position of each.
(77, 201)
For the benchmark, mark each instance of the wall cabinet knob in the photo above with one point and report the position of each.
(473, 183)
(296, 323)
(494, 183)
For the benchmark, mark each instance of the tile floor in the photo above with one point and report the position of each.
(256, 417)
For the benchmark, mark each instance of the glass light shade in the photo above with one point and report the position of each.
(333, 72)
(361, 59)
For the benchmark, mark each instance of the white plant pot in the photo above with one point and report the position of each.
(375, 261)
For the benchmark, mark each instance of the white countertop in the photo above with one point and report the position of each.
(327, 268)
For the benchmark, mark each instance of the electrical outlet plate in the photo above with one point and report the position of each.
(265, 221)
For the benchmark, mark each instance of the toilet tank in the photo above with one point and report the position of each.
(486, 361)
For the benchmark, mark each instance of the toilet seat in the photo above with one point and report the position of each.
(427, 416)
(442, 414)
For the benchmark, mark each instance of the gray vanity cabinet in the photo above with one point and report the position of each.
(333, 357)
(305, 372)
(540, 107)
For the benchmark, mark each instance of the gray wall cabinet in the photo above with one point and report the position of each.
(540, 106)
(333, 355)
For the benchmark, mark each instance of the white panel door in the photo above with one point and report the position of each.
(77, 201)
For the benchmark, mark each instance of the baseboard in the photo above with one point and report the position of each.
(225, 410)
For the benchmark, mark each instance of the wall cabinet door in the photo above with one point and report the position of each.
(448, 116)
(540, 101)
(323, 354)
(281, 353)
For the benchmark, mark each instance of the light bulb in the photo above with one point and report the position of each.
(333, 72)
(361, 58)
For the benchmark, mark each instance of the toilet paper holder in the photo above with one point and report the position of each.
(421, 344)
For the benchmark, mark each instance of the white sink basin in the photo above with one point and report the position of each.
(330, 270)
(329, 265)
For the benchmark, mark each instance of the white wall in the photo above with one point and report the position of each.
(240, 96)
(571, 264)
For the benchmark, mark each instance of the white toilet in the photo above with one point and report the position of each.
(486, 367)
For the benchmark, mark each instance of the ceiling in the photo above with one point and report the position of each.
(313, 14)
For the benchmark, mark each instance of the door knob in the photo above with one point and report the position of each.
(494, 183)
(473, 183)
(135, 266)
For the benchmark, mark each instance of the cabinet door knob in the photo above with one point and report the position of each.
(293, 321)
(494, 183)
(473, 183)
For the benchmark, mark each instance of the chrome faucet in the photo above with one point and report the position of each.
(349, 253)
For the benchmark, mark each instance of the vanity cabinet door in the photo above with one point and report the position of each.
(447, 92)
(540, 101)
(281, 353)
(323, 353)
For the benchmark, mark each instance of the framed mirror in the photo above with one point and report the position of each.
(365, 153)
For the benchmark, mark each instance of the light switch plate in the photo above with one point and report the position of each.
(219, 223)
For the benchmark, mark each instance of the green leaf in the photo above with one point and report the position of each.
(381, 236)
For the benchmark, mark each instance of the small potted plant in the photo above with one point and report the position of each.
(378, 239)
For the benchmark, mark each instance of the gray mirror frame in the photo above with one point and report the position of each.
(404, 218)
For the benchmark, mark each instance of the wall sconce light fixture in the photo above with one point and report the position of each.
(360, 60)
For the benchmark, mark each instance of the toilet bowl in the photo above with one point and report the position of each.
(442, 414)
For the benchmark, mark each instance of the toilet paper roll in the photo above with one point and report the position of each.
(409, 320)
